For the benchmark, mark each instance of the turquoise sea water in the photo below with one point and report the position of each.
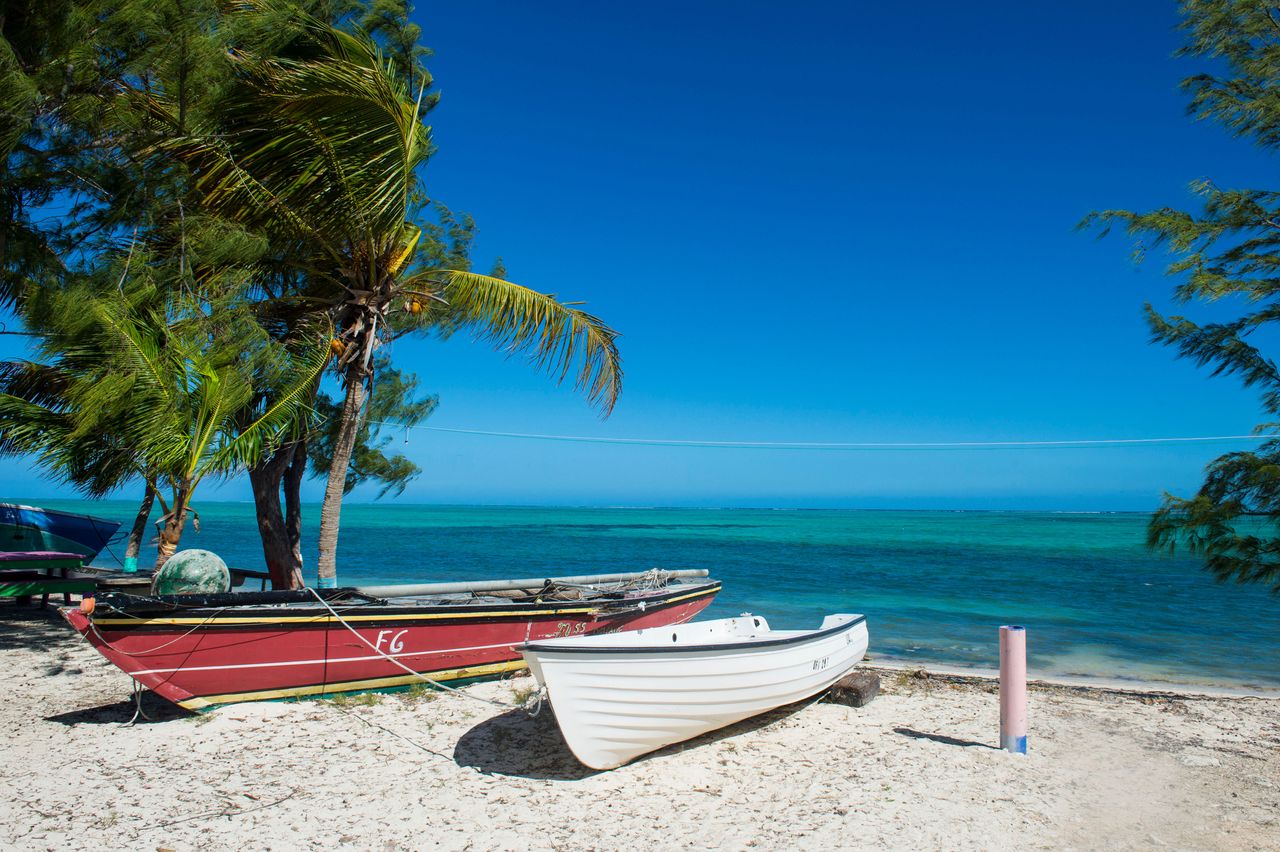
(934, 585)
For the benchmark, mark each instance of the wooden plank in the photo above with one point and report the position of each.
(39, 562)
(14, 576)
(37, 555)
(856, 689)
(476, 586)
(240, 575)
(246, 572)
(50, 586)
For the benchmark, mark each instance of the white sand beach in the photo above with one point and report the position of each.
(1107, 769)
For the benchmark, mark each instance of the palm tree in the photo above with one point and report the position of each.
(322, 152)
(132, 387)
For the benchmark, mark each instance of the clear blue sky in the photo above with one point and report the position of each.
(820, 222)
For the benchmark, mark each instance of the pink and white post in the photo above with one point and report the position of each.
(1013, 688)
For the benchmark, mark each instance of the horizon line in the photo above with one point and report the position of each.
(631, 507)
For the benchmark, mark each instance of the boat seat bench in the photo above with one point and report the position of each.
(25, 574)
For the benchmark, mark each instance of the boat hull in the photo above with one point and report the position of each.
(614, 705)
(201, 658)
(31, 528)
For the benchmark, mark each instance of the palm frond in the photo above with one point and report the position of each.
(557, 337)
(137, 348)
(40, 384)
(324, 148)
(287, 412)
(96, 464)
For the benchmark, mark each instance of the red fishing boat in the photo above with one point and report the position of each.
(200, 651)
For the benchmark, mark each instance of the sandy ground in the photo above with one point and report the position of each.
(914, 769)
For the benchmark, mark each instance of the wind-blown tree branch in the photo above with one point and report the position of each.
(69, 132)
(324, 152)
(1228, 251)
(388, 21)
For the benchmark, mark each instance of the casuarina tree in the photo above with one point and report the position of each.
(1227, 251)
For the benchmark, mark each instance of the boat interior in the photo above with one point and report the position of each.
(345, 599)
(722, 631)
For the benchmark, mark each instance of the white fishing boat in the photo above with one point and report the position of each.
(619, 696)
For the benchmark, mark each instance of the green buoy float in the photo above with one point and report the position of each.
(192, 572)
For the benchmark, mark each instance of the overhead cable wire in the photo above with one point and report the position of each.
(863, 446)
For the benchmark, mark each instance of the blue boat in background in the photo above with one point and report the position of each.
(31, 528)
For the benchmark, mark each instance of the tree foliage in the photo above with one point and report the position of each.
(133, 381)
(94, 235)
(323, 150)
(258, 163)
(1227, 251)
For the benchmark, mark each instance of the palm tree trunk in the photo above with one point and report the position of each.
(331, 509)
(293, 507)
(139, 530)
(283, 563)
(171, 529)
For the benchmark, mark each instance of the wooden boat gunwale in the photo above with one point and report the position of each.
(372, 614)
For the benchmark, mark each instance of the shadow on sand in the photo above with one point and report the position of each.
(942, 738)
(120, 712)
(32, 627)
(515, 743)
(45, 631)
(518, 744)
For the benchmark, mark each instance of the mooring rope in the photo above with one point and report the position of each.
(137, 707)
(538, 699)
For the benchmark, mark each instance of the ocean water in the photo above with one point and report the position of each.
(934, 585)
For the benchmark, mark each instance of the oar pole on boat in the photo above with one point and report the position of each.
(413, 590)
(1013, 688)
